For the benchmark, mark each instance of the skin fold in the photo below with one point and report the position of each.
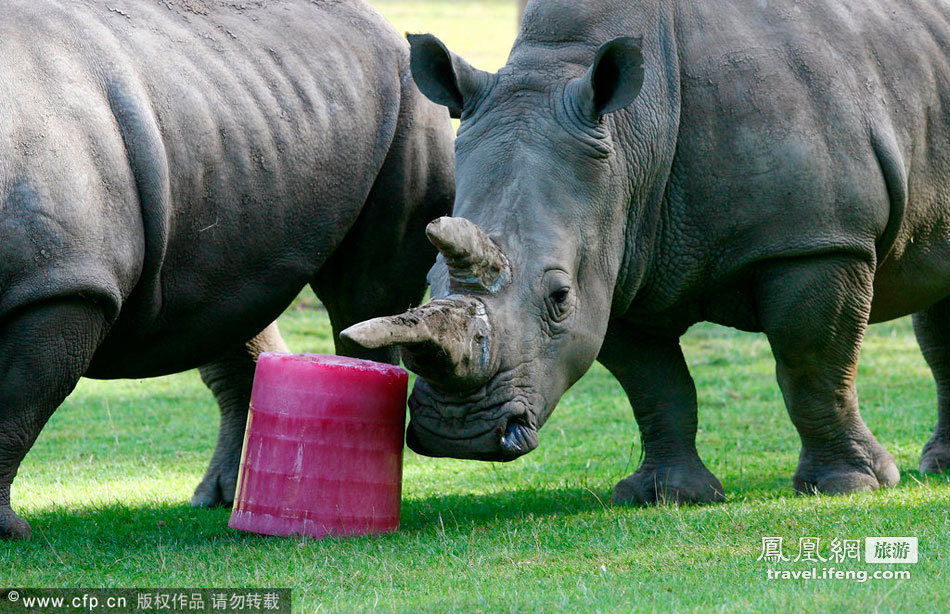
(172, 174)
(777, 167)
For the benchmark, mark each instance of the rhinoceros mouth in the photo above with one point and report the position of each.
(519, 438)
(506, 437)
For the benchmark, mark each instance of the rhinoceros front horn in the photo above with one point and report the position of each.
(476, 264)
(447, 341)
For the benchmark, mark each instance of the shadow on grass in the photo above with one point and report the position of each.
(486, 508)
(183, 524)
(766, 484)
(130, 526)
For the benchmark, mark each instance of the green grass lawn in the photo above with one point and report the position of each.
(106, 489)
(107, 485)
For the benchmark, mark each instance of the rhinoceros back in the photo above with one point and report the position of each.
(190, 164)
(804, 128)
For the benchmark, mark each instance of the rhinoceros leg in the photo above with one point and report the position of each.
(655, 377)
(814, 313)
(933, 334)
(44, 349)
(230, 379)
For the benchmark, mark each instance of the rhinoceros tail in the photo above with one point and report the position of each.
(895, 179)
(149, 164)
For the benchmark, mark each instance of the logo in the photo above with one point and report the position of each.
(890, 550)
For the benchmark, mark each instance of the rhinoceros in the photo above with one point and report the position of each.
(173, 173)
(637, 167)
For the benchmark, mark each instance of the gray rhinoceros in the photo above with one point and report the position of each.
(173, 173)
(780, 167)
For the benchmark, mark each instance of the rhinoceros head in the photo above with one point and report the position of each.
(523, 286)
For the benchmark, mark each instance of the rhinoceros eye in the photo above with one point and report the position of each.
(559, 296)
(559, 304)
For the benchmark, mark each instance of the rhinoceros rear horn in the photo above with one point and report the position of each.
(476, 264)
(447, 341)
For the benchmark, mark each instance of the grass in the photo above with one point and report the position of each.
(106, 489)
(107, 484)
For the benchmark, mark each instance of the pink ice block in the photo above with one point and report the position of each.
(323, 447)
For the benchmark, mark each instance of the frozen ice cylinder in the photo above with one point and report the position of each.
(323, 447)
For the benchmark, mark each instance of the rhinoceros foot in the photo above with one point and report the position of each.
(864, 465)
(217, 487)
(936, 456)
(12, 526)
(681, 483)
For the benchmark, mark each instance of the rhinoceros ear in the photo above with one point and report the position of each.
(443, 77)
(613, 80)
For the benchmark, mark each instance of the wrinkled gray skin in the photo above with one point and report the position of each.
(173, 173)
(780, 167)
